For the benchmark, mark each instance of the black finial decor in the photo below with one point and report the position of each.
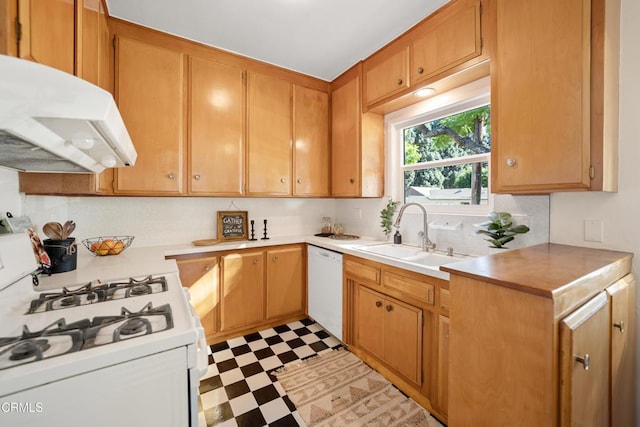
(253, 231)
(265, 231)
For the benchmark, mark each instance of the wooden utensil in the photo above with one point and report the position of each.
(53, 230)
(206, 242)
(67, 229)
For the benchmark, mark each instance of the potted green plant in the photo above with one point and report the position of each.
(501, 229)
(386, 215)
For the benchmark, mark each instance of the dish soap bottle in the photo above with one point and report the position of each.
(397, 238)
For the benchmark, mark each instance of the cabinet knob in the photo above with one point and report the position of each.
(275, 258)
(400, 82)
(196, 177)
(283, 180)
(420, 70)
(511, 162)
(584, 360)
(378, 303)
(619, 325)
(171, 175)
(256, 260)
(351, 180)
(207, 267)
(389, 307)
(299, 181)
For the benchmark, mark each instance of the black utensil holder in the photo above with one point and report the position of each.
(63, 254)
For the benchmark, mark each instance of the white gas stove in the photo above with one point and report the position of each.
(134, 342)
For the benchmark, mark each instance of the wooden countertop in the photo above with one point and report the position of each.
(548, 270)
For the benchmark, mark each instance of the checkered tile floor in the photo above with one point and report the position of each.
(238, 390)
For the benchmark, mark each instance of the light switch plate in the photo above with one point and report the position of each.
(593, 230)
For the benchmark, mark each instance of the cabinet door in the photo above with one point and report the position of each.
(149, 92)
(345, 140)
(285, 282)
(584, 364)
(269, 145)
(370, 321)
(311, 142)
(540, 96)
(48, 33)
(385, 75)
(443, 364)
(622, 299)
(446, 41)
(95, 53)
(201, 276)
(403, 338)
(216, 146)
(242, 293)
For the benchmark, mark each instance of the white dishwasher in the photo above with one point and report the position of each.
(325, 288)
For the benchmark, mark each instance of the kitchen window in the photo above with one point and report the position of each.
(439, 151)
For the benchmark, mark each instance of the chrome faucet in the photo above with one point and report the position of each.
(424, 234)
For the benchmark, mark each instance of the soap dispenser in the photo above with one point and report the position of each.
(397, 238)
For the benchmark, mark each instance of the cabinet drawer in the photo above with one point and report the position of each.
(415, 288)
(445, 299)
(362, 271)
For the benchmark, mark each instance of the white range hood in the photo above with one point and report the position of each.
(52, 121)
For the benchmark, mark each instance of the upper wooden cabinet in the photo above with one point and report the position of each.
(447, 39)
(442, 44)
(150, 94)
(73, 37)
(357, 141)
(96, 62)
(47, 33)
(311, 161)
(269, 136)
(216, 128)
(554, 95)
(386, 73)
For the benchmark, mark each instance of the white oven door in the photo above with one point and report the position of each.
(150, 391)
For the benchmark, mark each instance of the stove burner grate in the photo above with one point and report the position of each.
(29, 348)
(96, 292)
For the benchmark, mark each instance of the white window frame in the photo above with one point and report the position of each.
(464, 98)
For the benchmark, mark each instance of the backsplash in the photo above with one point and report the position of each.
(172, 220)
(532, 211)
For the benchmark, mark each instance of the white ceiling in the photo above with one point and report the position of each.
(321, 38)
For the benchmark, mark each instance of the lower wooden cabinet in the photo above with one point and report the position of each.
(584, 364)
(285, 281)
(390, 330)
(442, 373)
(201, 276)
(544, 343)
(242, 291)
(397, 322)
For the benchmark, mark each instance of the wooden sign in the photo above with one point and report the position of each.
(232, 225)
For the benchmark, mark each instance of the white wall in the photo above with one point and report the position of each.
(10, 199)
(619, 212)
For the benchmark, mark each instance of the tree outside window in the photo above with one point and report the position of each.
(446, 160)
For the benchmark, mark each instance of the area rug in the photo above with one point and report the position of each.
(336, 388)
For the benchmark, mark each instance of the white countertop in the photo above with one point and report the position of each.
(141, 261)
(342, 246)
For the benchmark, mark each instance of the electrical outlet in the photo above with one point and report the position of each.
(593, 230)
